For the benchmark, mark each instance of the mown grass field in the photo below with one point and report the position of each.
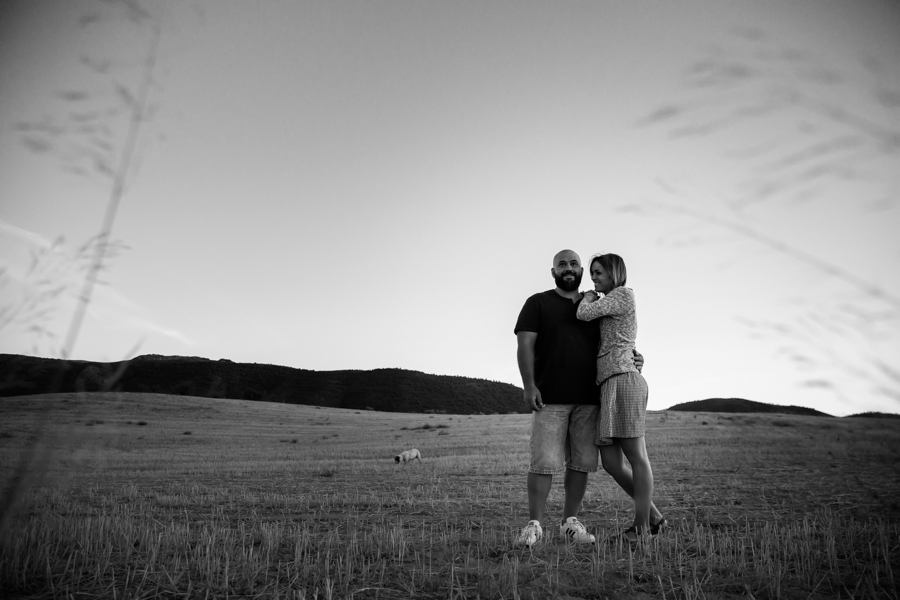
(141, 496)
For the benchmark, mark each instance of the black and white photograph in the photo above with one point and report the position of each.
(576, 299)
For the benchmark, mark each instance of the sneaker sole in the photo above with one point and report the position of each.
(526, 545)
(570, 540)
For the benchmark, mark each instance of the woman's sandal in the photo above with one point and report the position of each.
(630, 535)
(659, 525)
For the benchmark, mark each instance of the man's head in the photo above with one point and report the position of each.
(567, 270)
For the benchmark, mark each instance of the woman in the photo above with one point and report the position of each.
(623, 391)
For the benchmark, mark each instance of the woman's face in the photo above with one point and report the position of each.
(602, 281)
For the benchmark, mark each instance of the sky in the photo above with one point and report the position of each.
(359, 185)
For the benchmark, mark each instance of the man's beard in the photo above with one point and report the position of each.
(568, 286)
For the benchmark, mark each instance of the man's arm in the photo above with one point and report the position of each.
(525, 356)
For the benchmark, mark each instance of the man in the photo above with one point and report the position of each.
(557, 360)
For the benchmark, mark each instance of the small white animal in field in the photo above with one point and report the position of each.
(408, 456)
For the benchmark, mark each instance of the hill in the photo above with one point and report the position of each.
(732, 405)
(876, 415)
(392, 390)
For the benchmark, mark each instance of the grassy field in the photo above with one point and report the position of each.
(141, 496)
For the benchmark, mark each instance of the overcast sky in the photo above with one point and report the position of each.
(361, 185)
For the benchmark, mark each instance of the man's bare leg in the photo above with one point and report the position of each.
(575, 486)
(538, 490)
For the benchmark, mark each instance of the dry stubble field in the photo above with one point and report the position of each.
(141, 496)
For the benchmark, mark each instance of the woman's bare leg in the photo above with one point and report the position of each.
(614, 463)
(635, 451)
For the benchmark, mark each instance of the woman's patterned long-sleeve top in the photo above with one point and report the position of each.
(618, 330)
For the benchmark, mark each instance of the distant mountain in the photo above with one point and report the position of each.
(732, 405)
(393, 390)
(876, 415)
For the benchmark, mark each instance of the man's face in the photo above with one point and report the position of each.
(567, 271)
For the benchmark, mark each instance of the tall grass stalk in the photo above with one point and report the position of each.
(32, 460)
(137, 106)
(849, 161)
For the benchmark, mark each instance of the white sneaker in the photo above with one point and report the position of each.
(574, 531)
(531, 534)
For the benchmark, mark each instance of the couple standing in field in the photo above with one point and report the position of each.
(587, 396)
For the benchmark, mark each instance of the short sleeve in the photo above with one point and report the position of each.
(529, 317)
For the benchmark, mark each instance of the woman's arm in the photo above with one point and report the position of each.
(619, 301)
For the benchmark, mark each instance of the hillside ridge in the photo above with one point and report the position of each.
(383, 389)
(732, 405)
(390, 389)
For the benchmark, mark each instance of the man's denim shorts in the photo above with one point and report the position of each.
(562, 437)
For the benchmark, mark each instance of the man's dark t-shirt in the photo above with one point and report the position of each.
(565, 352)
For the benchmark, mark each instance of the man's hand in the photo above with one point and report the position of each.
(638, 360)
(533, 398)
